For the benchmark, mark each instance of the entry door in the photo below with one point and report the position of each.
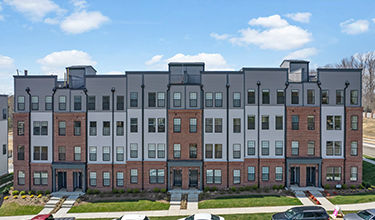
(310, 176)
(61, 180)
(193, 178)
(177, 178)
(77, 180)
(294, 176)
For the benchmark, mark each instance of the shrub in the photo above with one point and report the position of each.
(281, 187)
(344, 186)
(15, 192)
(206, 189)
(24, 197)
(40, 195)
(22, 193)
(115, 191)
(122, 191)
(266, 189)
(242, 188)
(15, 197)
(327, 186)
(254, 187)
(366, 185)
(31, 196)
(31, 192)
(6, 190)
(156, 190)
(39, 192)
(47, 192)
(163, 190)
(6, 197)
(129, 190)
(233, 189)
(136, 190)
(213, 188)
(353, 186)
(12, 188)
(275, 187)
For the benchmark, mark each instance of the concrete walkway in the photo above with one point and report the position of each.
(192, 203)
(369, 161)
(303, 198)
(66, 206)
(50, 205)
(175, 203)
(323, 200)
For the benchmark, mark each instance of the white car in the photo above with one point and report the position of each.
(203, 216)
(132, 217)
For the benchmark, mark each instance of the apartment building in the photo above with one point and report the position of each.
(188, 128)
(4, 135)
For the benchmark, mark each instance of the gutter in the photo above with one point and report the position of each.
(86, 141)
(113, 134)
(258, 130)
(143, 132)
(285, 135)
(53, 138)
(227, 85)
(320, 128)
(28, 92)
(344, 144)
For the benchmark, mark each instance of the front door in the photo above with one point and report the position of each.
(61, 180)
(177, 178)
(77, 180)
(193, 178)
(294, 176)
(310, 176)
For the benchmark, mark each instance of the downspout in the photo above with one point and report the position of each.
(258, 130)
(28, 92)
(344, 153)
(202, 137)
(167, 135)
(53, 138)
(285, 135)
(86, 141)
(320, 132)
(227, 85)
(113, 134)
(143, 132)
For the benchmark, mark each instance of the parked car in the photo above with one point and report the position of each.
(50, 217)
(303, 212)
(203, 216)
(132, 217)
(368, 214)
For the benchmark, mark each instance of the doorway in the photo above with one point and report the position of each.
(61, 180)
(77, 180)
(177, 178)
(294, 176)
(193, 178)
(310, 176)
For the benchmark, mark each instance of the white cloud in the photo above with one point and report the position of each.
(7, 69)
(373, 20)
(303, 17)
(352, 26)
(219, 36)
(1, 18)
(57, 61)
(270, 21)
(79, 4)
(6, 62)
(83, 21)
(154, 60)
(302, 53)
(35, 10)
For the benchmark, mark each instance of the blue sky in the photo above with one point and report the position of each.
(44, 36)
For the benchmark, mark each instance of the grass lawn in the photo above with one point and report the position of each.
(368, 173)
(248, 201)
(352, 199)
(13, 208)
(140, 205)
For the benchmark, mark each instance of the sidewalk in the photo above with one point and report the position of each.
(369, 161)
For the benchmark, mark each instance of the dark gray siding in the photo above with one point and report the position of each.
(215, 82)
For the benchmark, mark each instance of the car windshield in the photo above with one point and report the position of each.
(215, 217)
(289, 213)
(364, 215)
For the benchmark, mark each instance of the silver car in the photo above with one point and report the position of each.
(203, 216)
(368, 214)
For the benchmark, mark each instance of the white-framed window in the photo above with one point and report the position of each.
(265, 148)
(176, 150)
(278, 173)
(265, 173)
(250, 173)
(119, 153)
(151, 151)
(251, 148)
(106, 179)
(333, 174)
(353, 173)
(278, 148)
(134, 176)
(236, 151)
(92, 178)
(236, 176)
(161, 150)
(106, 153)
(92, 153)
(311, 148)
(133, 150)
(354, 148)
(295, 148)
(119, 179)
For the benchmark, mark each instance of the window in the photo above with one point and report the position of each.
(92, 131)
(265, 148)
(36, 128)
(209, 150)
(295, 96)
(265, 122)
(265, 173)
(133, 125)
(20, 128)
(295, 148)
(77, 103)
(176, 150)
(40, 153)
(218, 99)
(310, 96)
(44, 128)
(62, 103)
(280, 96)
(92, 178)
(177, 99)
(120, 128)
(151, 99)
(311, 148)
(311, 122)
(339, 97)
(119, 153)
(161, 124)
(354, 122)
(133, 99)
(193, 125)
(4, 149)
(151, 151)
(236, 125)
(236, 176)
(91, 102)
(133, 176)
(295, 122)
(218, 151)
(62, 128)
(119, 179)
(329, 122)
(251, 96)
(354, 97)
(48, 104)
(218, 125)
(278, 148)
(152, 125)
(250, 122)
(353, 173)
(265, 96)
(177, 125)
(329, 148)
(192, 151)
(193, 99)
(279, 122)
(62, 153)
(333, 174)
(92, 153)
(337, 122)
(120, 102)
(134, 150)
(333, 148)
(21, 103)
(250, 148)
(213, 176)
(236, 151)
(106, 153)
(236, 99)
(250, 173)
(156, 176)
(209, 125)
(278, 173)
(209, 99)
(105, 102)
(106, 179)
(34, 103)
(337, 148)
(161, 150)
(40, 178)
(325, 97)
(21, 153)
(106, 128)
(161, 99)
(77, 128)
(77, 153)
(354, 148)
(21, 177)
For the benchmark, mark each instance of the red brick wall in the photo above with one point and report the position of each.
(154, 165)
(215, 166)
(332, 163)
(272, 164)
(133, 165)
(41, 167)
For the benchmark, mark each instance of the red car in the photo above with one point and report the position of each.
(50, 217)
